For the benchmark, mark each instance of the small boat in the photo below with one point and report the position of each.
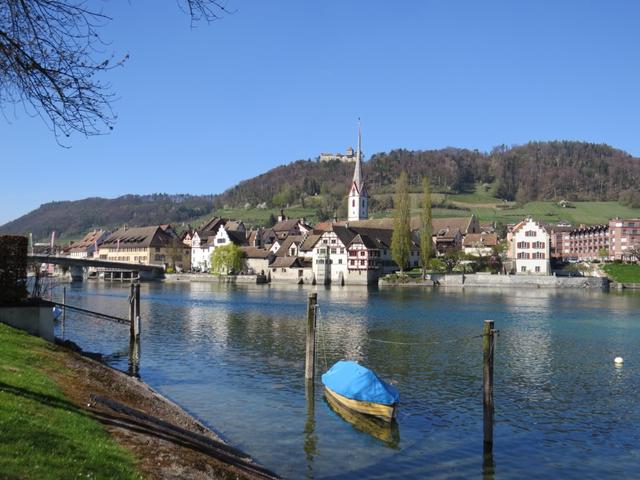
(387, 432)
(358, 388)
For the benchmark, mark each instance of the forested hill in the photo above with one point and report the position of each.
(72, 219)
(536, 171)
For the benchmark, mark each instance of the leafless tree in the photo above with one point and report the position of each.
(52, 53)
(633, 253)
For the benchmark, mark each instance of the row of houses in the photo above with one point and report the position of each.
(532, 244)
(615, 240)
(355, 251)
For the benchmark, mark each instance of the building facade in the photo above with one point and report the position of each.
(347, 157)
(530, 248)
(147, 245)
(624, 236)
(589, 242)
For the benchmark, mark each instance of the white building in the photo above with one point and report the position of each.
(358, 199)
(530, 248)
(201, 250)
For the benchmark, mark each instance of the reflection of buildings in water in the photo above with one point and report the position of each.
(343, 323)
(529, 341)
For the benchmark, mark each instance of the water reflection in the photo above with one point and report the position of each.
(310, 437)
(234, 357)
(387, 432)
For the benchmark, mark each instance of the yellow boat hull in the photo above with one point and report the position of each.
(379, 410)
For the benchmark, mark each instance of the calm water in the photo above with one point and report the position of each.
(234, 357)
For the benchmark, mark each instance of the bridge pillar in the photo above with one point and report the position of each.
(77, 273)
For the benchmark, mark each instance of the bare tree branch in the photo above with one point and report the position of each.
(51, 55)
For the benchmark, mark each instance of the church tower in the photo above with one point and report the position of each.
(358, 199)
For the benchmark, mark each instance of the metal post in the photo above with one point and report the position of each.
(487, 382)
(310, 359)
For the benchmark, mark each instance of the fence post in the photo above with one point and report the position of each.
(487, 382)
(64, 304)
(310, 359)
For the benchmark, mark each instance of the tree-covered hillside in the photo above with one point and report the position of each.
(71, 219)
(537, 171)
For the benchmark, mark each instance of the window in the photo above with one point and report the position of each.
(220, 240)
(340, 261)
(352, 262)
(353, 202)
(362, 262)
(333, 241)
(362, 253)
(284, 270)
(342, 250)
(300, 273)
(538, 269)
(363, 204)
(523, 269)
(334, 251)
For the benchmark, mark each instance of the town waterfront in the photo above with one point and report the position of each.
(234, 357)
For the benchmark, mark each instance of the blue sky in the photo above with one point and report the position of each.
(201, 109)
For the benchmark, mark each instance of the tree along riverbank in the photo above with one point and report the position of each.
(66, 416)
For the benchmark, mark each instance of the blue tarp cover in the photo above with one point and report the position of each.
(359, 383)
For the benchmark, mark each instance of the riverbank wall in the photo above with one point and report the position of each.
(518, 281)
(625, 286)
(208, 278)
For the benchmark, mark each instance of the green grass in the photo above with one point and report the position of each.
(623, 272)
(43, 435)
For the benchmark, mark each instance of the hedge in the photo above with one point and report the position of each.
(13, 269)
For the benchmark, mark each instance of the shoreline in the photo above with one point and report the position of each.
(166, 441)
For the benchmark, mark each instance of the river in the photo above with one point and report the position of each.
(233, 356)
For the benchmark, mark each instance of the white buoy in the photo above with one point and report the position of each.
(618, 360)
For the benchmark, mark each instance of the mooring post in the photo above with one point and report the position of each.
(310, 359)
(64, 304)
(132, 311)
(64, 310)
(137, 299)
(487, 382)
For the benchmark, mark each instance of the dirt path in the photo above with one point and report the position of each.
(167, 442)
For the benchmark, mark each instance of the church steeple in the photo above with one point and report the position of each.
(358, 199)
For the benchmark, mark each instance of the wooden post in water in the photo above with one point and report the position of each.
(310, 360)
(487, 383)
(64, 310)
(132, 310)
(137, 299)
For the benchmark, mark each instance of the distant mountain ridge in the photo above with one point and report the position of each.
(536, 171)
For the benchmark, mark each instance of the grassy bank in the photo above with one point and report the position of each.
(44, 435)
(623, 272)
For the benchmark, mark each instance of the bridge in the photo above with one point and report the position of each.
(77, 266)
